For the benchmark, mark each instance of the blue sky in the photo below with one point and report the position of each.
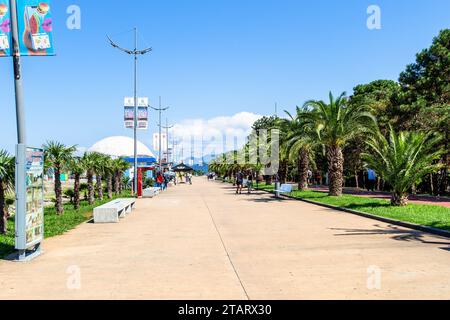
(211, 58)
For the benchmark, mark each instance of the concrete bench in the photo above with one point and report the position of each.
(150, 192)
(112, 211)
(284, 189)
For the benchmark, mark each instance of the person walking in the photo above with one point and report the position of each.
(239, 182)
(371, 180)
(249, 182)
(159, 180)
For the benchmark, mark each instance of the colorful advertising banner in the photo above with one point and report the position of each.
(142, 113)
(5, 29)
(30, 227)
(35, 27)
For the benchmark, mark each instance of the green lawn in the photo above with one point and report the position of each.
(55, 225)
(425, 215)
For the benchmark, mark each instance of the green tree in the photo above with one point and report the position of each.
(7, 177)
(119, 166)
(403, 160)
(299, 141)
(57, 156)
(77, 168)
(90, 160)
(335, 123)
(424, 101)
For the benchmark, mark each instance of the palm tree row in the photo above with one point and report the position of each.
(400, 159)
(92, 164)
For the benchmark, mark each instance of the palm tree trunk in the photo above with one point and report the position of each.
(100, 187)
(357, 179)
(336, 170)
(76, 192)
(58, 191)
(116, 183)
(90, 177)
(303, 165)
(399, 199)
(110, 186)
(3, 213)
(120, 182)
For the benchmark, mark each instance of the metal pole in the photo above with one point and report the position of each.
(135, 114)
(20, 108)
(160, 110)
(167, 140)
(160, 136)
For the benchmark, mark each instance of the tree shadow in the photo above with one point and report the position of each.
(397, 234)
(265, 200)
(356, 206)
(5, 251)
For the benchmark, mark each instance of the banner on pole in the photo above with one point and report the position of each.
(142, 112)
(163, 142)
(5, 29)
(30, 197)
(35, 27)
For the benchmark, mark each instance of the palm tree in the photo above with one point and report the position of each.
(403, 160)
(77, 167)
(100, 169)
(109, 172)
(334, 124)
(7, 177)
(120, 166)
(90, 160)
(57, 156)
(299, 142)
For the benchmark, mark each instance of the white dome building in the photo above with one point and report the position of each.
(121, 147)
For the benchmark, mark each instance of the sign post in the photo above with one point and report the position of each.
(26, 29)
(29, 217)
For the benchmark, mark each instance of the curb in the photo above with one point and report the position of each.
(413, 226)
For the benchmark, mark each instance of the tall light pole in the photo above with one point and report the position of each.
(135, 52)
(160, 110)
(167, 127)
(20, 108)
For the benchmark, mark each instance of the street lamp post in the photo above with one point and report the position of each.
(160, 110)
(135, 52)
(20, 109)
(167, 127)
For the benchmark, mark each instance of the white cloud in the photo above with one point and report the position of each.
(235, 128)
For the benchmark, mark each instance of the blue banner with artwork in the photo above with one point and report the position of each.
(35, 27)
(5, 29)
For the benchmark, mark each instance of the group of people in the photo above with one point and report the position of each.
(244, 179)
(163, 179)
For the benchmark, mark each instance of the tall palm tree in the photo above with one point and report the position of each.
(78, 168)
(403, 160)
(299, 142)
(57, 156)
(120, 166)
(334, 124)
(109, 172)
(100, 173)
(7, 177)
(90, 159)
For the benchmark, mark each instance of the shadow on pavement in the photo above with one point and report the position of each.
(397, 233)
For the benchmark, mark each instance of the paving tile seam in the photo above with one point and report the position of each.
(225, 248)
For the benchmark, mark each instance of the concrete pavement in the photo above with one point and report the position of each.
(205, 242)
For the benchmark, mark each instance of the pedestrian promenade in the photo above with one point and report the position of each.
(205, 242)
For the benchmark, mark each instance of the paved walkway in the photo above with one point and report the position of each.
(204, 242)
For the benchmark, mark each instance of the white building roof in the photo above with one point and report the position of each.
(120, 147)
